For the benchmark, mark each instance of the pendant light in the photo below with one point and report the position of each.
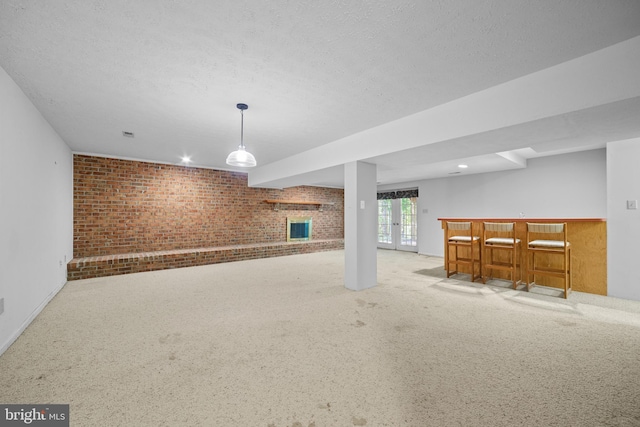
(241, 157)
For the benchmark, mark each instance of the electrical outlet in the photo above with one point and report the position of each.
(1, 305)
(632, 204)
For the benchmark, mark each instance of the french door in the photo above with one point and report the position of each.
(398, 224)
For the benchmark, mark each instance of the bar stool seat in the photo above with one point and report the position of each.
(548, 243)
(462, 238)
(500, 241)
(469, 242)
(501, 237)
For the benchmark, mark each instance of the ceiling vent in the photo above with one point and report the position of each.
(127, 134)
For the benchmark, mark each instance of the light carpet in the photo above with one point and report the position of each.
(280, 342)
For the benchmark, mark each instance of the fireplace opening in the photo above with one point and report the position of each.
(298, 228)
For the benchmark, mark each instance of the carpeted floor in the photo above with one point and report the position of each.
(280, 342)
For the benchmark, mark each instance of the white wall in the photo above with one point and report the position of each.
(36, 211)
(568, 185)
(623, 225)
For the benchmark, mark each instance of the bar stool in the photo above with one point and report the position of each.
(552, 248)
(501, 236)
(463, 238)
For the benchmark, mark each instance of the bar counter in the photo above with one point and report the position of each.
(588, 238)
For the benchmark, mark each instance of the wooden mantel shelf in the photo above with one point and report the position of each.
(296, 202)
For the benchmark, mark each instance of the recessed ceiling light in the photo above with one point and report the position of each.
(128, 134)
(186, 159)
(463, 166)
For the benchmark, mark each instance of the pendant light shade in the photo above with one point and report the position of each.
(241, 157)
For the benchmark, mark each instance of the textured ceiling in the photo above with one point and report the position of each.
(311, 72)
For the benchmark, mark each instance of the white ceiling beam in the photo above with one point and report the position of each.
(602, 77)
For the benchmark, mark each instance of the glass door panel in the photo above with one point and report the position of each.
(397, 224)
(408, 224)
(385, 224)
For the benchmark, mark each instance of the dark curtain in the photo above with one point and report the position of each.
(400, 194)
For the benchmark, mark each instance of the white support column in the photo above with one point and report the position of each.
(360, 226)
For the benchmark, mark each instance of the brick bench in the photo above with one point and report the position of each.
(111, 265)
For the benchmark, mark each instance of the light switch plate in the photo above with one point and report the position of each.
(632, 204)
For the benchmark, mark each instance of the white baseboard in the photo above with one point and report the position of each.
(32, 316)
(431, 255)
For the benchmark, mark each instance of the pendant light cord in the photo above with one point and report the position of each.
(242, 128)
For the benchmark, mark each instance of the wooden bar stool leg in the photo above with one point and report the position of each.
(566, 276)
(570, 272)
(455, 254)
(567, 273)
(472, 255)
(479, 259)
(513, 266)
(490, 272)
(530, 266)
(519, 263)
(446, 253)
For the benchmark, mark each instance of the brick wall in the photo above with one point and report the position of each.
(123, 206)
(112, 265)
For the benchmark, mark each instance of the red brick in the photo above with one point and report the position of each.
(129, 207)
